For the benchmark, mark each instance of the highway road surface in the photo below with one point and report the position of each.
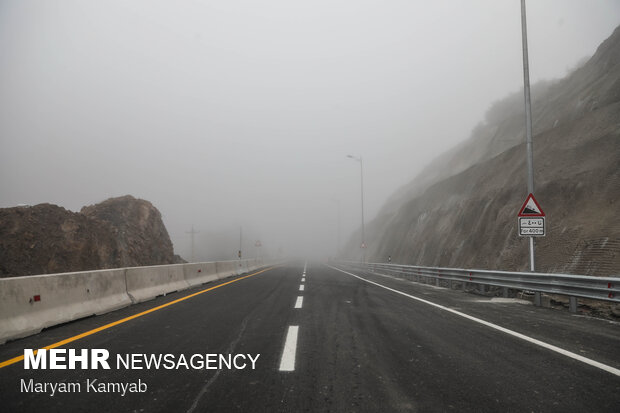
(311, 338)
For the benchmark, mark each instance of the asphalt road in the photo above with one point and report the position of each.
(358, 347)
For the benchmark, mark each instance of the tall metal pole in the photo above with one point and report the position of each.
(363, 246)
(338, 250)
(240, 241)
(192, 232)
(338, 221)
(528, 119)
(362, 191)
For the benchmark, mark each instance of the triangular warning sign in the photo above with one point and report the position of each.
(531, 208)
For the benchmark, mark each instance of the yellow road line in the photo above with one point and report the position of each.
(124, 320)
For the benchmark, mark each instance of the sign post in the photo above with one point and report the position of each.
(528, 118)
(532, 224)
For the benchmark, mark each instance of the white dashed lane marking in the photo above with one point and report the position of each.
(299, 302)
(287, 363)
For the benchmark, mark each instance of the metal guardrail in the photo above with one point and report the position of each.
(573, 286)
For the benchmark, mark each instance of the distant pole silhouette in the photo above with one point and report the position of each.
(337, 201)
(240, 241)
(192, 232)
(363, 246)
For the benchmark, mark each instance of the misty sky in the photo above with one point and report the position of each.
(241, 113)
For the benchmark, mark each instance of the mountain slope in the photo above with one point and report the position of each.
(461, 211)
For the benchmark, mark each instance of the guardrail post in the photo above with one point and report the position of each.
(437, 283)
(505, 292)
(537, 301)
(465, 283)
(572, 304)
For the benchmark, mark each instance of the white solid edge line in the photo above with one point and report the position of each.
(287, 363)
(301, 288)
(548, 346)
(299, 302)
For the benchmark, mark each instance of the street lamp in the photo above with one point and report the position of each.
(337, 201)
(528, 118)
(363, 246)
(192, 232)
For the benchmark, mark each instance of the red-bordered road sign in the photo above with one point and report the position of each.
(531, 208)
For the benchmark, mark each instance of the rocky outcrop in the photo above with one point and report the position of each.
(462, 210)
(45, 238)
(141, 237)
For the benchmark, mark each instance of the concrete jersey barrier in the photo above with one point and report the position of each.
(200, 273)
(226, 268)
(146, 283)
(29, 304)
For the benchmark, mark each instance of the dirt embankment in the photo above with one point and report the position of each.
(45, 238)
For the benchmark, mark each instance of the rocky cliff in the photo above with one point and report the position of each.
(141, 237)
(45, 238)
(461, 211)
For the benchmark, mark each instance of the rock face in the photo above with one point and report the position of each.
(462, 210)
(141, 237)
(46, 238)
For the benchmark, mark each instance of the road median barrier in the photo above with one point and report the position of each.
(146, 283)
(31, 303)
(200, 273)
(227, 268)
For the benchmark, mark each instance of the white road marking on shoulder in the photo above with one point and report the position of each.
(501, 300)
(287, 363)
(548, 346)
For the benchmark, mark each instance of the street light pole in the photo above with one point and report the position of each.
(240, 242)
(337, 201)
(192, 232)
(363, 246)
(339, 231)
(528, 119)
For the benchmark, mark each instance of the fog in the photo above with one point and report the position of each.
(239, 115)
